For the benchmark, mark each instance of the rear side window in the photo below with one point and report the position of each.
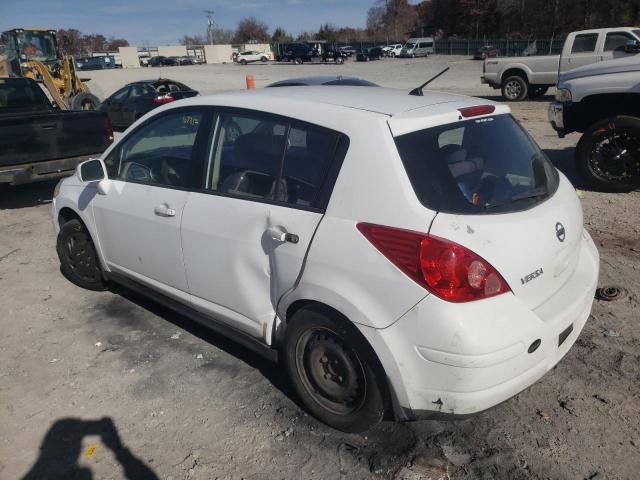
(484, 165)
(584, 43)
(264, 157)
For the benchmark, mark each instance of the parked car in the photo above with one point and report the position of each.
(488, 51)
(324, 80)
(392, 50)
(348, 50)
(162, 61)
(531, 76)
(95, 63)
(602, 101)
(298, 53)
(251, 56)
(418, 47)
(374, 53)
(330, 53)
(39, 142)
(399, 254)
(184, 60)
(132, 101)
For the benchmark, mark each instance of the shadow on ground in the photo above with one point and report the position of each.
(62, 447)
(29, 195)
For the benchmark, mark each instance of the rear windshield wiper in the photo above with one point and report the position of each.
(536, 192)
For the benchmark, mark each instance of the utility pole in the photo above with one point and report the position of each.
(210, 25)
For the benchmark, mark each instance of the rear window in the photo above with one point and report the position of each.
(478, 166)
(20, 94)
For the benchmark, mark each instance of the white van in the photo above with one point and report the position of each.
(418, 47)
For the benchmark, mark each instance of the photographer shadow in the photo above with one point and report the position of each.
(62, 446)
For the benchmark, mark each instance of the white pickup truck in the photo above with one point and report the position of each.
(522, 77)
(603, 102)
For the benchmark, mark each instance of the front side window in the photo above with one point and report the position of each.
(120, 95)
(160, 152)
(483, 165)
(270, 158)
(584, 43)
(616, 40)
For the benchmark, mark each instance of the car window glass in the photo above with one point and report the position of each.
(139, 90)
(120, 95)
(584, 43)
(309, 152)
(246, 156)
(616, 40)
(159, 153)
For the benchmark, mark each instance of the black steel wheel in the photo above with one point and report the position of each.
(608, 154)
(334, 371)
(78, 259)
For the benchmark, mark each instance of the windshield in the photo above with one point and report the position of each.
(409, 46)
(36, 46)
(483, 165)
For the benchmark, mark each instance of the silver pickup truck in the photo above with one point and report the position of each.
(522, 77)
(602, 101)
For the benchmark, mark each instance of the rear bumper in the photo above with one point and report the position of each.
(39, 171)
(452, 360)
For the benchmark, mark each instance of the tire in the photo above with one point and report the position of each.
(263, 59)
(334, 371)
(339, 61)
(84, 101)
(537, 91)
(514, 88)
(243, 61)
(297, 61)
(78, 259)
(602, 156)
(393, 54)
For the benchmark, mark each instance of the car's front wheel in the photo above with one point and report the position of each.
(264, 59)
(334, 371)
(608, 154)
(78, 258)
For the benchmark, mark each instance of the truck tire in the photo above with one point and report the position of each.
(537, 91)
(608, 154)
(84, 101)
(78, 258)
(514, 88)
(333, 370)
(339, 60)
(297, 61)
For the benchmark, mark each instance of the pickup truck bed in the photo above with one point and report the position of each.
(38, 142)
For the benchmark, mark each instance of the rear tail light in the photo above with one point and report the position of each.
(448, 270)
(108, 129)
(162, 99)
(477, 110)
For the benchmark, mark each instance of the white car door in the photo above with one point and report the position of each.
(246, 235)
(583, 52)
(138, 219)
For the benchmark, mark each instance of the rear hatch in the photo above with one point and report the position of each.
(498, 195)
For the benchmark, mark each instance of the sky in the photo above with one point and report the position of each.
(163, 22)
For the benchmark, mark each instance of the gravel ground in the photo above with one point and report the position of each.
(111, 386)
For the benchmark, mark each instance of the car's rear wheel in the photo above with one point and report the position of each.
(264, 59)
(608, 154)
(334, 371)
(297, 61)
(339, 60)
(78, 258)
(514, 88)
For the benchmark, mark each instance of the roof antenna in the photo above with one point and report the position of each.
(418, 90)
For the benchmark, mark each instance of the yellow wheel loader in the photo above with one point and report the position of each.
(33, 53)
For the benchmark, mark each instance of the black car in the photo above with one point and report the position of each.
(135, 99)
(324, 80)
(298, 53)
(333, 54)
(162, 61)
(374, 53)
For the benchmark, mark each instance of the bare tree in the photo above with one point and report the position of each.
(249, 29)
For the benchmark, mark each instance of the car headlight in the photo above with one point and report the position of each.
(563, 95)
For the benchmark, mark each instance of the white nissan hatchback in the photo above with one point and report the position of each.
(409, 255)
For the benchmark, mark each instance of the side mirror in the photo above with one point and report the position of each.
(632, 46)
(93, 170)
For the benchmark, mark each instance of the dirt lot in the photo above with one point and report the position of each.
(110, 386)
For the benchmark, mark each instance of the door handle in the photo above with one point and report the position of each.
(164, 211)
(280, 236)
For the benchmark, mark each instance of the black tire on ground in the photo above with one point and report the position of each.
(393, 54)
(243, 61)
(537, 91)
(78, 259)
(263, 59)
(514, 88)
(339, 60)
(608, 154)
(297, 61)
(334, 371)
(84, 101)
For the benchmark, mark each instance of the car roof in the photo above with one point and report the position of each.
(385, 101)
